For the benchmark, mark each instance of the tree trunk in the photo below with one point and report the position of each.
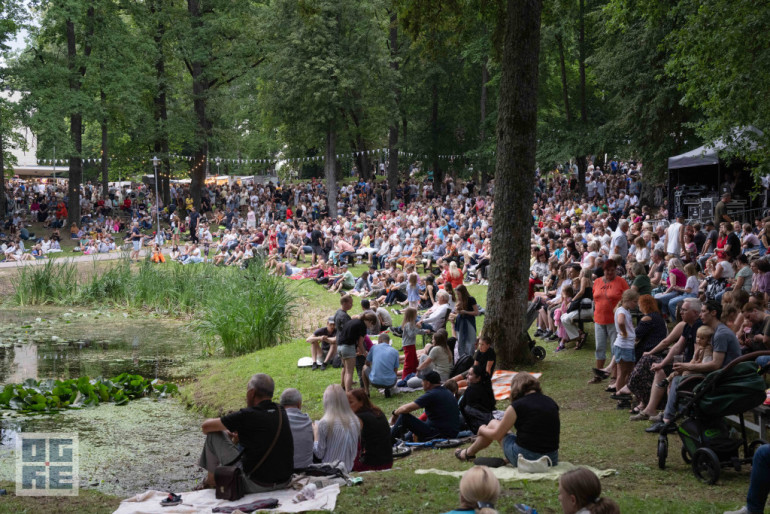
(484, 174)
(564, 89)
(364, 166)
(105, 164)
(582, 164)
(3, 196)
(393, 129)
(75, 177)
(514, 184)
(330, 169)
(160, 112)
(438, 174)
(200, 87)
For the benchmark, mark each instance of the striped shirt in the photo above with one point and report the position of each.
(338, 444)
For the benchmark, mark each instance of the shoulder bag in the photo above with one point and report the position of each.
(229, 478)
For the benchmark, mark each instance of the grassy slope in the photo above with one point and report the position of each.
(87, 502)
(593, 433)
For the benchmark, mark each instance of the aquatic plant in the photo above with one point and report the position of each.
(53, 395)
(55, 282)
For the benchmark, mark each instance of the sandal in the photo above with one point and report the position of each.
(635, 410)
(581, 340)
(601, 373)
(462, 454)
(611, 389)
(171, 500)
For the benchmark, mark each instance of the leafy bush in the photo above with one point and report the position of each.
(53, 395)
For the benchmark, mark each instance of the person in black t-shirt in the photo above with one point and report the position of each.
(324, 343)
(536, 419)
(440, 407)
(485, 355)
(316, 244)
(265, 467)
(478, 400)
(376, 452)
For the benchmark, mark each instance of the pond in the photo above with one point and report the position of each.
(126, 449)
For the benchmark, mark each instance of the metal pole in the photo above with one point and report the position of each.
(158, 237)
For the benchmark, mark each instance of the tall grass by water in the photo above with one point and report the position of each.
(243, 309)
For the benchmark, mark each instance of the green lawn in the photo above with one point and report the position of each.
(593, 433)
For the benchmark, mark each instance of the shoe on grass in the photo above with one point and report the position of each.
(641, 416)
(742, 510)
(323, 367)
(314, 366)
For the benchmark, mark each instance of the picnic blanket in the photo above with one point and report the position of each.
(203, 501)
(511, 473)
(501, 382)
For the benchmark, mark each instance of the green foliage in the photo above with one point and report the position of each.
(50, 395)
(244, 309)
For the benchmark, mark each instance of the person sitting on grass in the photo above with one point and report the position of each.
(338, 432)
(381, 368)
(376, 452)
(266, 467)
(580, 492)
(301, 428)
(440, 408)
(323, 345)
(479, 491)
(478, 400)
(536, 419)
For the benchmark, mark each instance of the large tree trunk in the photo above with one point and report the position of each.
(3, 209)
(105, 164)
(393, 129)
(563, 67)
(75, 177)
(438, 173)
(330, 169)
(200, 86)
(160, 112)
(483, 125)
(514, 178)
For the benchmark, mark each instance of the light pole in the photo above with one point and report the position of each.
(158, 236)
(219, 161)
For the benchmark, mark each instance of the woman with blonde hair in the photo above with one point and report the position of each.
(536, 419)
(453, 275)
(479, 491)
(580, 492)
(338, 432)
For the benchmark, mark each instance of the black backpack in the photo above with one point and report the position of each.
(462, 365)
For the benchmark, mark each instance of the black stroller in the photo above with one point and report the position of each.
(537, 351)
(708, 442)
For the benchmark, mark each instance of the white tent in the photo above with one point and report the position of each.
(708, 155)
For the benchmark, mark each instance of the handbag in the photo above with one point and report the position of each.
(229, 478)
(540, 465)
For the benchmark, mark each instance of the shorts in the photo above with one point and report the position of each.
(511, 450)
(623, 354)
(288, 270)
(346, 351)
(317, 250)
(137, 245)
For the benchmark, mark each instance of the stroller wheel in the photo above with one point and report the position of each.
(401, 451)
(662, 451)
(686, 455)
(753, 445)
(539, 352)
(706, 466)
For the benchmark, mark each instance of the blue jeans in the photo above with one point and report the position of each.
(664, 298)
(674, 303)
(759, 486)
(670, 410)
(408, 423)
(511, 450)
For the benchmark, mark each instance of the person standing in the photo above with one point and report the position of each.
(194, 217)
(720, 211)
(607, 292)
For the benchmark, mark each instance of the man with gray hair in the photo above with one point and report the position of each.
(437, 314)
(301, 428)
(264, 432)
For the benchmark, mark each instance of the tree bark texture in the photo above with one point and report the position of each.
(392, 171)
(330, 169)
(564, 88)
(105, 164)
(200, 87)
(76, 74)
(514, 184)
(160, 112)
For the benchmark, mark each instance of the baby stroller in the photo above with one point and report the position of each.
(537, 351)
(708, 442)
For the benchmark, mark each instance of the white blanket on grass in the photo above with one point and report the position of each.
(511, 473)
(203, 501)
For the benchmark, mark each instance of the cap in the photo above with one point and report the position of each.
(432, 377)
(330, 320)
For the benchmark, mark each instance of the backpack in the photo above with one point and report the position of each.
(462, 365)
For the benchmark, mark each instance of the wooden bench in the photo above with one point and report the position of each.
(761, 417)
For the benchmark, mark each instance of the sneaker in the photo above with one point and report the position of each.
(767, 399)
(559, 348)
(388, 394)
(553, 337)
(538, 332)
(742, 510)
(323, 367)
(547, 334)
(314, 366)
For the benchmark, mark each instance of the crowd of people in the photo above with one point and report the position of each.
(666, 299)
